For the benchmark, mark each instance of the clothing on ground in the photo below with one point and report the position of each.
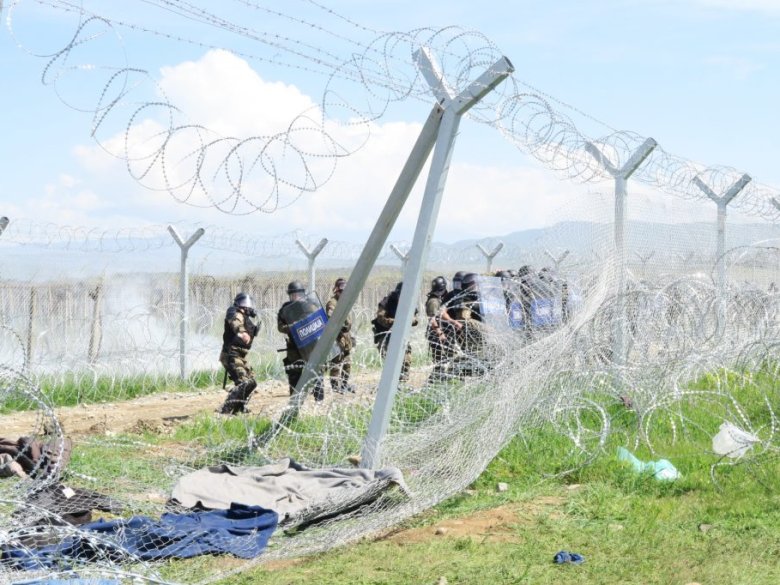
(240, 530)
(296, 493)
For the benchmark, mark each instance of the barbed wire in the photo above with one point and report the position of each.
(680, 371)
(385, 74)
(692, 356)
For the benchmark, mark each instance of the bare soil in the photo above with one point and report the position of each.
(162, 412)
(494, 525)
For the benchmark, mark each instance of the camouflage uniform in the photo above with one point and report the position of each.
(341, 366)
(435, 330)
(234, 358)
(441, 335)
(294, 360)
(383, 322)
(465, 309)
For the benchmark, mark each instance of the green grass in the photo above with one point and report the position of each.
(72, 389)
(630, 527)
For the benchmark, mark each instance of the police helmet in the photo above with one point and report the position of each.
(295, 287)
(439, 284)
(469, 279)
(340, 284)
(243, 300)
(456, 279)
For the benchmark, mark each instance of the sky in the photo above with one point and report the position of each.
(702, 77)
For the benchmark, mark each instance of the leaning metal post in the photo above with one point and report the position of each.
(621, 177)
(489, 255)
(720, 246)
(311, 256)
(404, 258)
(454, 108)
(184, 294)
(384, 225)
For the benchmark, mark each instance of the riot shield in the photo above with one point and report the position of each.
(492, 302)
(307, 319)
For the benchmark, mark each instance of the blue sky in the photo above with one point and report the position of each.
(700, 76)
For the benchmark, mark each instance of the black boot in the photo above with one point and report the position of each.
(319, 392)
(236, 400)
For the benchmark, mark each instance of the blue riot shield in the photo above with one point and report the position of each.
(307, 320)
(516, 317)
(492, 302)
(543, 313)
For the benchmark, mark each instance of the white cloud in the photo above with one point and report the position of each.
(224, 93)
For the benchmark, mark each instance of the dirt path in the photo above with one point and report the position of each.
(156, 412)
(162, 412)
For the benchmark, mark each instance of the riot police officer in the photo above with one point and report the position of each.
(294, 360)
(442, 329)
(383, 323)
(341, 365)
(241, 327)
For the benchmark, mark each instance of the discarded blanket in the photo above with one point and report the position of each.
(299, 495)
(241, 530)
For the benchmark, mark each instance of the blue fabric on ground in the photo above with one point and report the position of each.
(565, 556)
(242, 531)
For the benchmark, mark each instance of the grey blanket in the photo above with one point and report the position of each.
(297, 494)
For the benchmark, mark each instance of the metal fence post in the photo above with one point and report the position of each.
(454, 108)
(3, 220)
(430, 135)
(720, 245)
(644, 260)
(557, 260)
(621, 176)
(403, 257)
(489, 255)
(357, 279)
(311, 256)
(96, 332)
(31, 326)
(184, 294)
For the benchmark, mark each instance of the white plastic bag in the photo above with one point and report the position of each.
(732, 441)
